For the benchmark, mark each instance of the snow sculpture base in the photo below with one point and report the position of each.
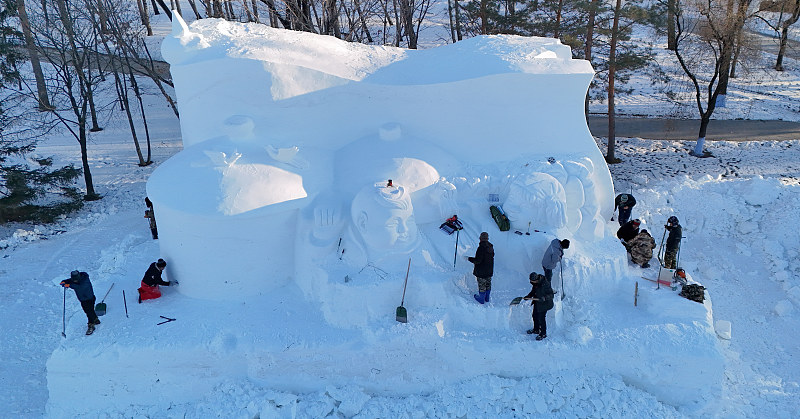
(666, 346)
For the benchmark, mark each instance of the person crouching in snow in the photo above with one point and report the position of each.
(80, 283)
(627, 232)
(641, 248)
(152, 279)
(484, 268)
(541, 297)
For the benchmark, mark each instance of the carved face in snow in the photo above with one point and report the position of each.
(384, 217)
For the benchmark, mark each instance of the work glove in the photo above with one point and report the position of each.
(64, 284)
(169, 283)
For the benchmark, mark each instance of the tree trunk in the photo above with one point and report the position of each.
(217, 9)
(247, 11)
(484, 18)
(138, 94)
(450, 17)
(255, 10)
(145, 14)
(699, 148)
(672, 6)
(785, 34)
(458, 20)
(332, 24)
(587, 49)
(122, 93)
(363, 21)
(155, 6)
(194, 9)
(91, 195)
(558, 19)
(33, 54)
(738, 50)
(397, 26)
(165, 8)
(612, 68)
(782, 48)
(732, 30)
(408, 22)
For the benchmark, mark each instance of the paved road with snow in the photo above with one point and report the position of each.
(687, 129)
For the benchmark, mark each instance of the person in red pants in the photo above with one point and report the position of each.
(151, 281)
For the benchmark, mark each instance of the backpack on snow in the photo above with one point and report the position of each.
(452, 224)
(500, 218)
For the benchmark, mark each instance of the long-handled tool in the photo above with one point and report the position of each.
(165, 321)
(100, 308)
(455, 254)
(64, 316)
(401, 314)
(561, 265)
(125, 301)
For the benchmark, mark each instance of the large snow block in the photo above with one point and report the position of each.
(226, 258)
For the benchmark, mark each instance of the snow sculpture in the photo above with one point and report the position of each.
(272, 120)
(384, 219)
(536, 198)
(225, 206)
(435, 203)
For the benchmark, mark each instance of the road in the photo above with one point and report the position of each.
(687, 129)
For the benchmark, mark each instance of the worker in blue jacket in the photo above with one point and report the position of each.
(80, 283)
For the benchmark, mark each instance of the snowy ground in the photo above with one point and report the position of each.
(726, 217)
(738, 209)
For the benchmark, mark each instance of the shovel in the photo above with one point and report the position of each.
(100, 308)
(402, 315)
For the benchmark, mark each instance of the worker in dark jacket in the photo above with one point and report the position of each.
(627, 232)
(80, 283)
(541, 297)
(673, 242)
(484, 268)
(625, 203)
(152, 279)
(552, 256)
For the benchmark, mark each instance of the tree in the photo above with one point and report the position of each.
(672, 8)
(707, 55)
(121, 48)
(33, 54)
(70, 45)
(31, 189)
(624, 57)
(788, 13)
(795, 14)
